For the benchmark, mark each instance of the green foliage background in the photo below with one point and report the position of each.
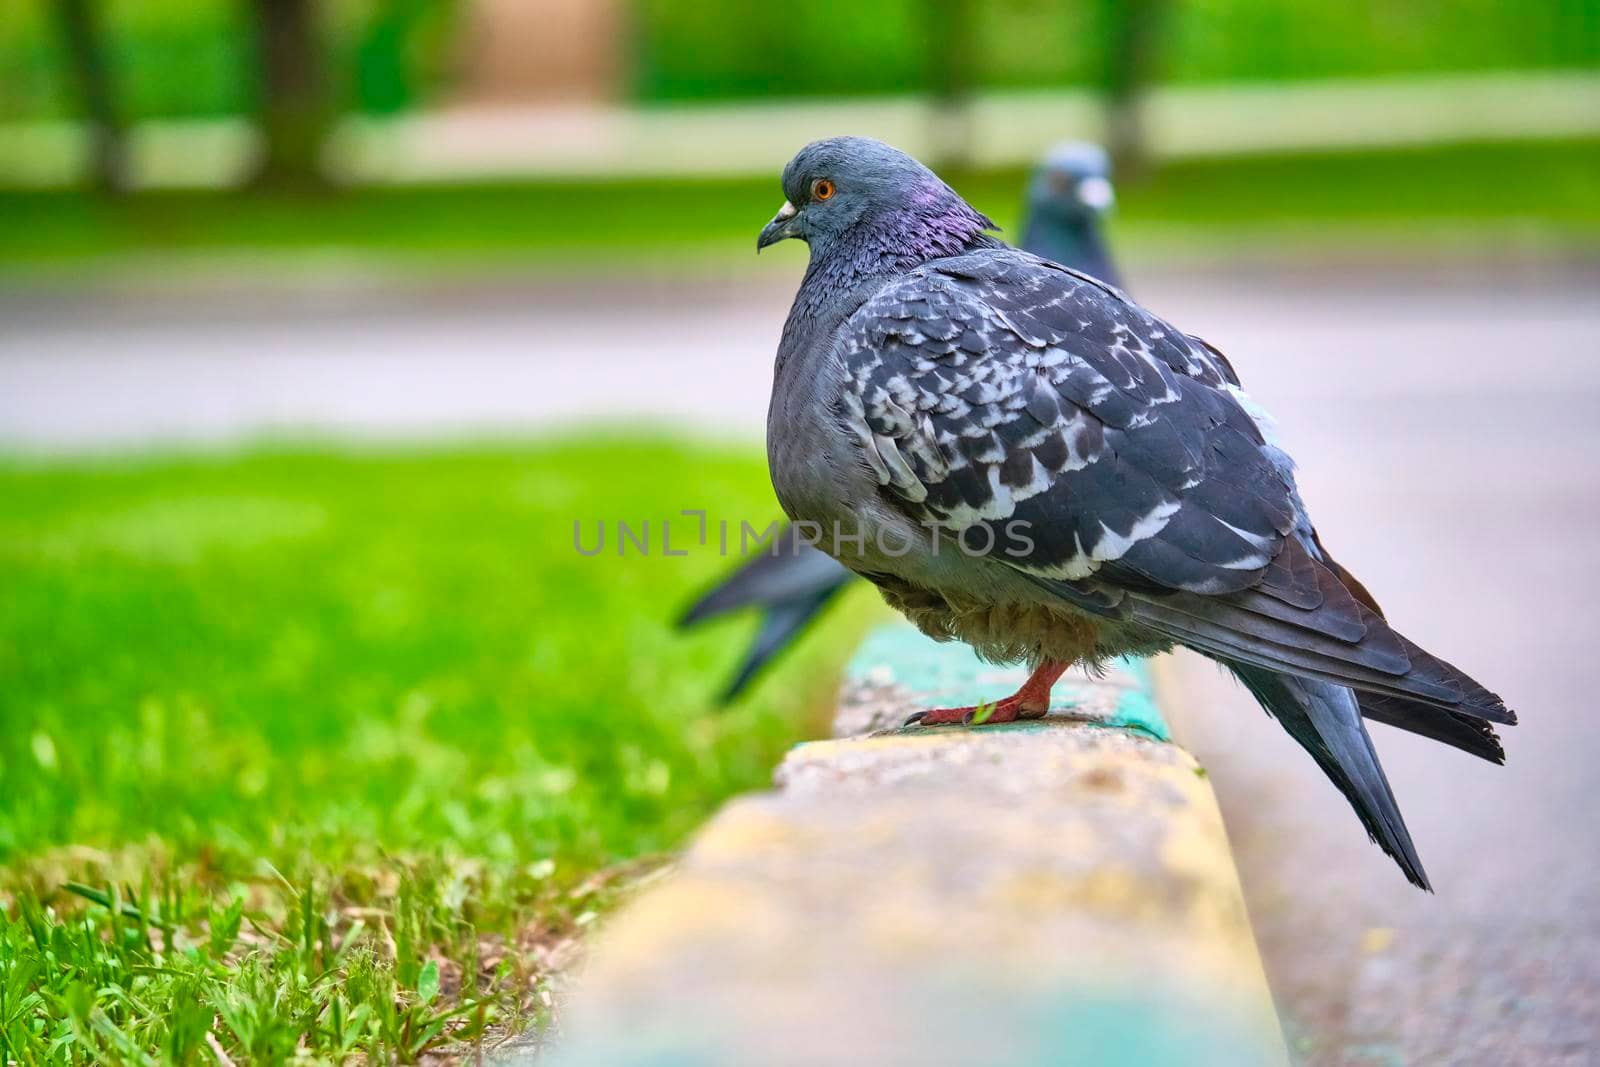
(192, 57)
(726, 48)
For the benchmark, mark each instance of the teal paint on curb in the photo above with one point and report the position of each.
(1053, 1025)
(952, 674)
(1136, 709)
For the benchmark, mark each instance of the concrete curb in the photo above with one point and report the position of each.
(1058, 892)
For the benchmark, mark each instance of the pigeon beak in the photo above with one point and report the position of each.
(779, 227)
(1096, 194)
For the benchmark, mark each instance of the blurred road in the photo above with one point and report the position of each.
(1448, 427)
(111, 370)
(1450, 447)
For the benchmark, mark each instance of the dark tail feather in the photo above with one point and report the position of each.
(1326, 721)
(1346, 579)
(1459, 731)
(790, 582)
(781, 626)
(1382, 662)
(787, 571)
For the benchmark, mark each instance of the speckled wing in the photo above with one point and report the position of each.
(997, 388)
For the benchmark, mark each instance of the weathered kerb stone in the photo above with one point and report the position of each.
(1041, 893)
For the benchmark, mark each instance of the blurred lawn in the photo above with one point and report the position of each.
(1540, 192)
(375, 697)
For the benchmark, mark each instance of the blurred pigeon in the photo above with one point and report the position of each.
(1069, 193)
(791, 582)
(1022, 458)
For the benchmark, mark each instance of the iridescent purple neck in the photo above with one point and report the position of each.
(931, 225)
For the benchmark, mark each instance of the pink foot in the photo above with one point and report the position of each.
(1010, 709)
(1032, 701)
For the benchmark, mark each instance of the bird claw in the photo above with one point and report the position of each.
(954, 716)
(1011, 709)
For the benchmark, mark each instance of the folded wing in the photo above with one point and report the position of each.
(997, 388)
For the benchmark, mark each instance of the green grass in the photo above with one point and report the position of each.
(1547, 192)
(339, 750)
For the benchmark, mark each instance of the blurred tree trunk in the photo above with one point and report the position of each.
(293, 109)
(951, 73)
(1132, 35)
(86, 54)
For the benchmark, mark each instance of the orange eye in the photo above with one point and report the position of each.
(821, 189)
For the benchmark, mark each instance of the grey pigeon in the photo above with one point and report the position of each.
(790, 582)
(1068, 195)
(1022, 458)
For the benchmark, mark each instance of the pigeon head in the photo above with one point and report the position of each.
(1068, 194)
(859, 201)
(1072, 183)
